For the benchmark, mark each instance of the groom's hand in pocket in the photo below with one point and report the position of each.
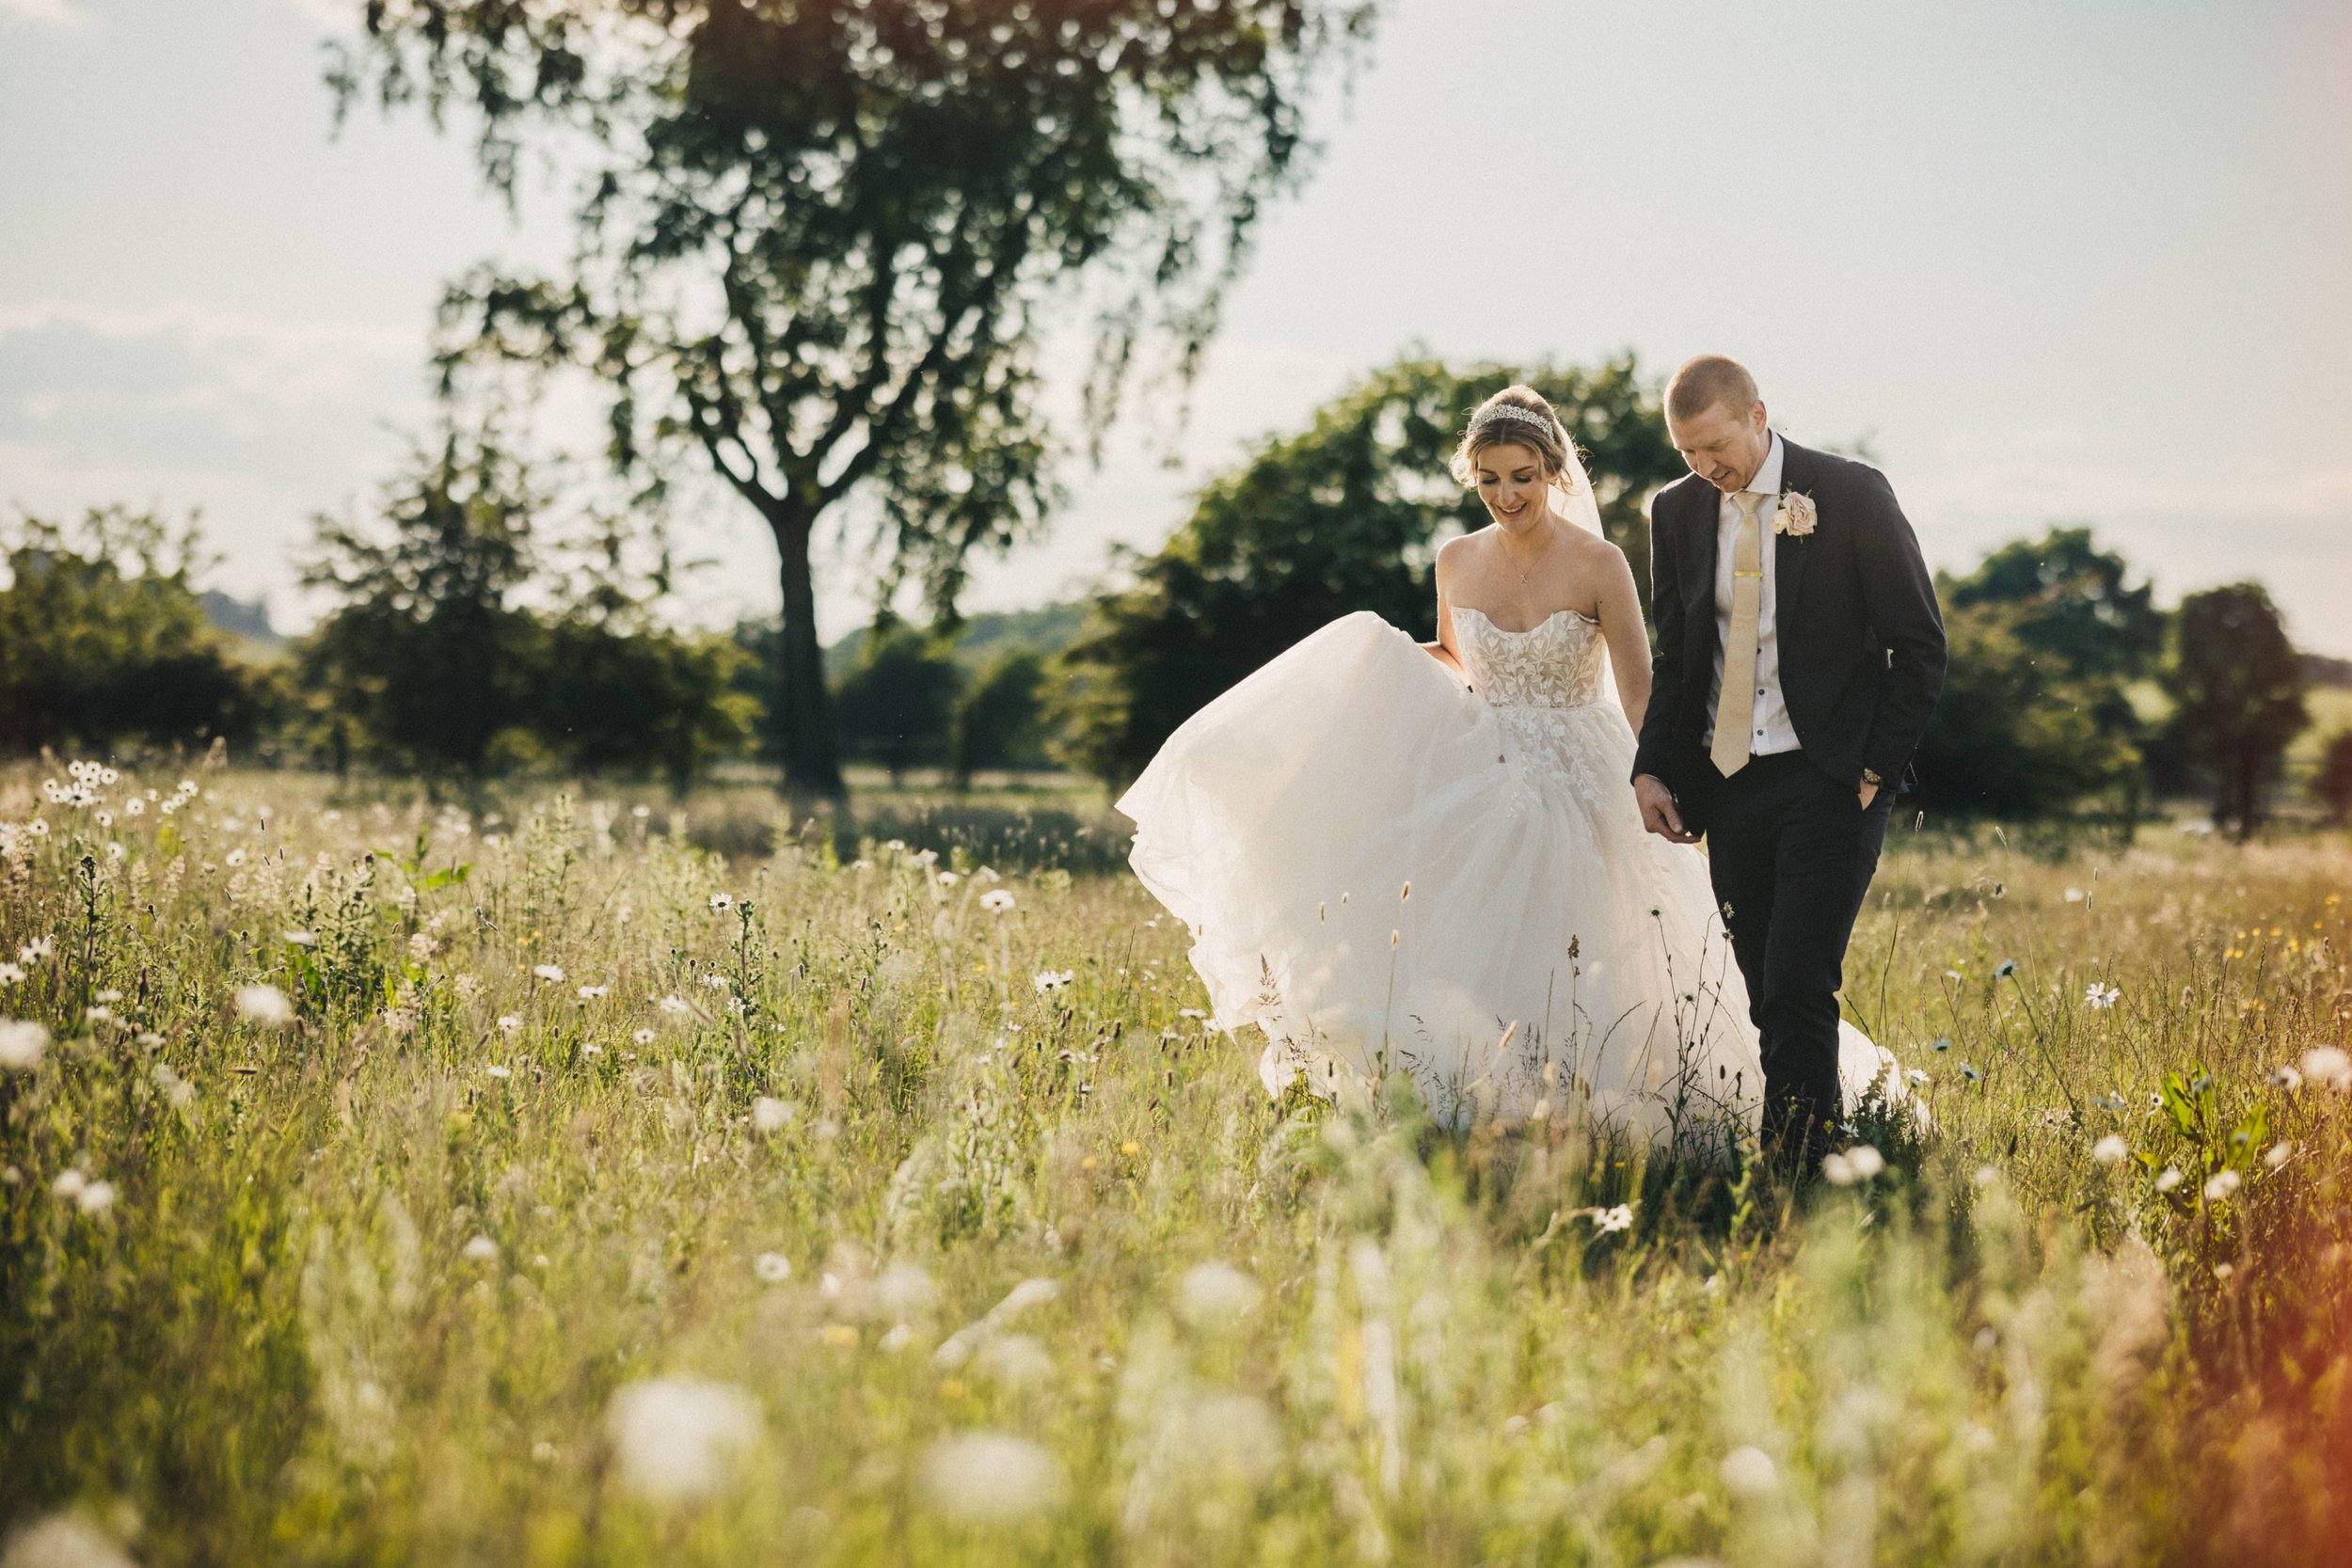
(1658, 810)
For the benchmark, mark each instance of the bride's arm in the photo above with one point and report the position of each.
(1444, 650)
(1628, 638)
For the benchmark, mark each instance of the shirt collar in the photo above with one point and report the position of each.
(1767, 480)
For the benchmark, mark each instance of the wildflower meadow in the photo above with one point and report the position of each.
(587, 1180)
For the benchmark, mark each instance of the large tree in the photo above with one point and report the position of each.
(817, 241)
(1345, 514)
(2237, 685)
(2046, 634)
(104, 640)
(2073, 602)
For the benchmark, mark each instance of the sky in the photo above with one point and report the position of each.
(2085, 262)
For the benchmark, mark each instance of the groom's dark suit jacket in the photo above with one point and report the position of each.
(1861, 641)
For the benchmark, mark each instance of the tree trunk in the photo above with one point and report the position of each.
(811, 766)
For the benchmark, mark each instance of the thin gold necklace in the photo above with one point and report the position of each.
(1539, 555)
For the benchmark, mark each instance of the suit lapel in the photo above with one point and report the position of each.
(1789, 551)
(1698, 578)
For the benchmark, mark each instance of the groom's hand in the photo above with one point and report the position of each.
(1869, 792)
(1657, 809)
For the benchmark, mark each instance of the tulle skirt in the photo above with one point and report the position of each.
(1383, 873)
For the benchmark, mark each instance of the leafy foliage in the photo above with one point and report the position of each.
(103, 638)
(897, 706)
(429, 659)
(1001, 722)
(2044, 635)
(2237, 685)
(2072, 600)
(1346, 514)
(2013, 732)
(2333, 781)
(435, 662)
(816, 243)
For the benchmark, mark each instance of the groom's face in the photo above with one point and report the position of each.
(1724, 446)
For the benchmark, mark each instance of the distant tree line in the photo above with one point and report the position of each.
(477, 627)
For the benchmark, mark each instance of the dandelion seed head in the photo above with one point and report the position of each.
(677, 1438)
(2221, 1184)
(480, 1249)
(1215, 1294)
(770, 1115)
(266, 1005)
(1749, 1472)
(95, 1197)
(773, 1268)
(1014, 1359)
(2329, 1066)
(2169, 1179)
(2109, 1150)
(64, 1539)
(991, 1478)
(996, 900)
(552, 973)
(22, 1044)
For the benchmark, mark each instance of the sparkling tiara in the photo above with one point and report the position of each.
(1513, 411)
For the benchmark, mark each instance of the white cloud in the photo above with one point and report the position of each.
(46, 13)
(340, 16)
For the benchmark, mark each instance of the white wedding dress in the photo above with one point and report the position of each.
(1385, 872)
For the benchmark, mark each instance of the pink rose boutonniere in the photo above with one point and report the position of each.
(1797, 516)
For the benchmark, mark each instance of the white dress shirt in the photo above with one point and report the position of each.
(1772, 731)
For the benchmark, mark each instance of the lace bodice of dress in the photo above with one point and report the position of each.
(1559, 663)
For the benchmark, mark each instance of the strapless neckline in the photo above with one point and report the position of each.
(1529, 631)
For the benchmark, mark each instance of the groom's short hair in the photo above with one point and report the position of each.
(1710, 381)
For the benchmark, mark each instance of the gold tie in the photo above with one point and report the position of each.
(1735, 709)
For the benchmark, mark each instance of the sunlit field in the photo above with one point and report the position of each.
(559, 1181)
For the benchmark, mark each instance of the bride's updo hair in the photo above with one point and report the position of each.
(1517, 415)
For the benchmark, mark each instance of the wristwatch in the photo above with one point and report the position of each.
(1870, 776)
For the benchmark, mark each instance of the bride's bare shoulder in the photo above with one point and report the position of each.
(1462, 549)
(1593, 550)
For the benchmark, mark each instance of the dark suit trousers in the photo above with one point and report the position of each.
(1791, 852)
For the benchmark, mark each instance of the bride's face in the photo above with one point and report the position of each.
(1511, 482)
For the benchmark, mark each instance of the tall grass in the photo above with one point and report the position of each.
(600, 1199)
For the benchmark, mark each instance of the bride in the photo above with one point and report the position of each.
(1425, 859)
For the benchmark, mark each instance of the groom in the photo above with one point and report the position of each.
(1799, 657)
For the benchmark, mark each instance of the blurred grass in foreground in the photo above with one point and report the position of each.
(601, 1200)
